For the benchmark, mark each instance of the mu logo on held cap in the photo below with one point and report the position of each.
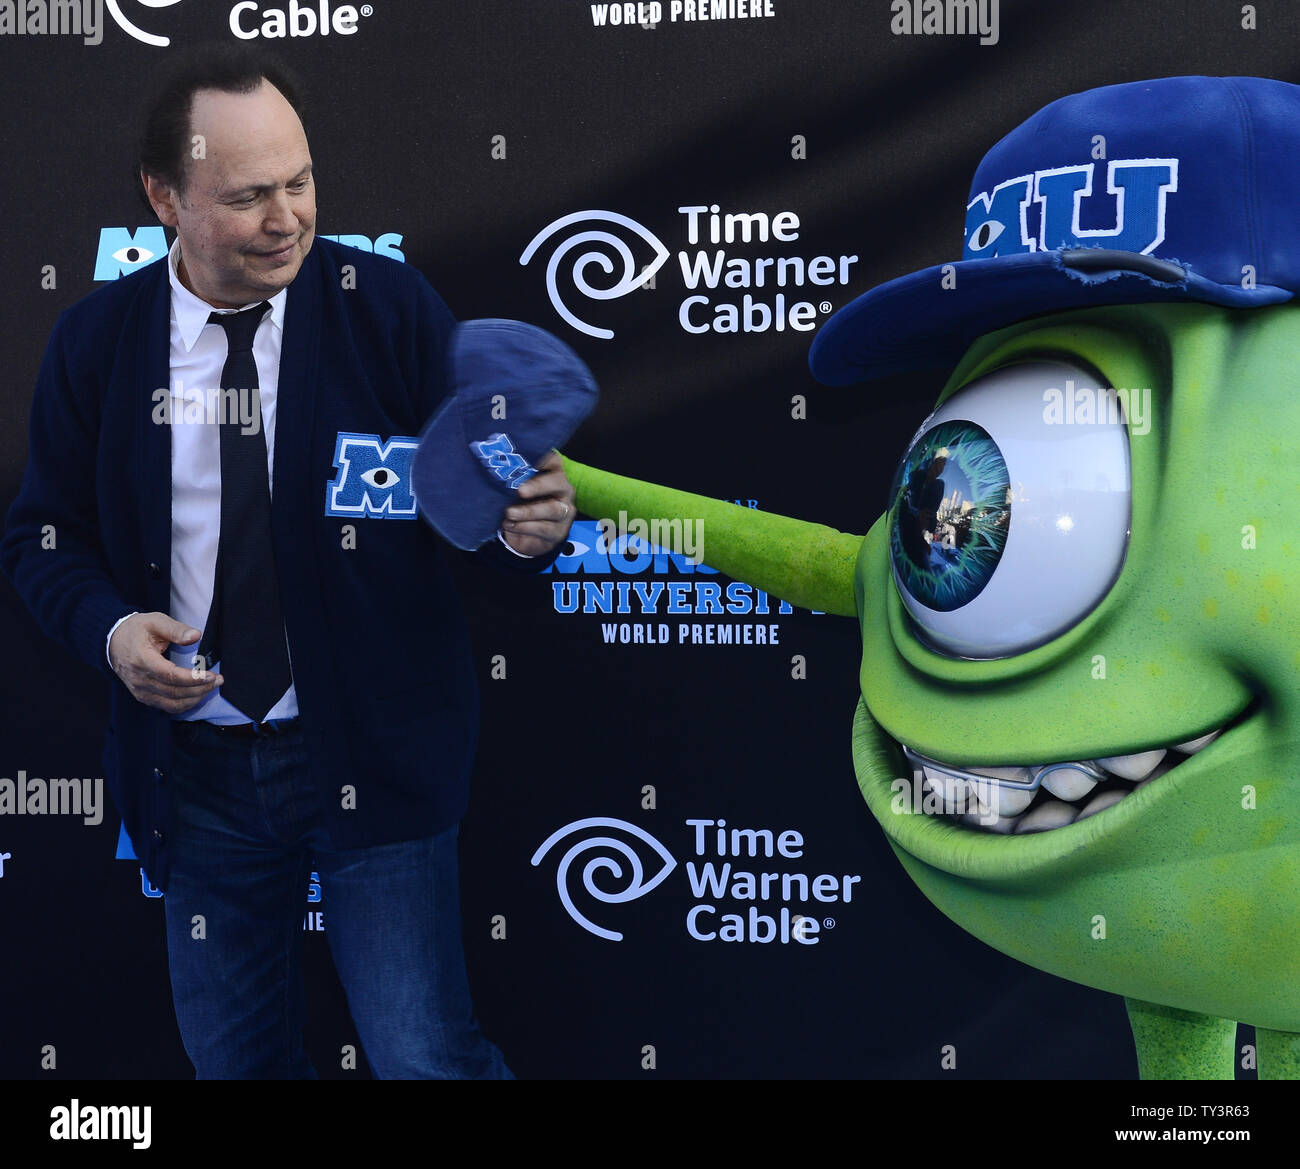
(499, 372)
(501, 460)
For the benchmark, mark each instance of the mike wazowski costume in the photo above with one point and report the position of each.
(1080, 626)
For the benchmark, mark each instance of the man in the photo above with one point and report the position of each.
(336, 727)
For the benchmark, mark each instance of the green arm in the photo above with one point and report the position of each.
(808, 565)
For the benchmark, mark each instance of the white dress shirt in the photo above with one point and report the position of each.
(198, 354)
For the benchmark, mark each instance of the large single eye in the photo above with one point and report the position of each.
(1010, 511)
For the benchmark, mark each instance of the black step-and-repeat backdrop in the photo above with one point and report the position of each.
(712, 140)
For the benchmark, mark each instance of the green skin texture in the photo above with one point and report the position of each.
(1199, 891)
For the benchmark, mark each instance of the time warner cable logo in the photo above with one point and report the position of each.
(772, 900)
(731, 290)
(85, 18)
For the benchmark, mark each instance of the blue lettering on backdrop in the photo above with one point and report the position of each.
(126, 851)
(389, 244)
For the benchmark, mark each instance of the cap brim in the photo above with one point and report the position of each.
(497, 357)
(927, 320)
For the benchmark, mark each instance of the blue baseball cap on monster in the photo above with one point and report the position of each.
(1176, 189)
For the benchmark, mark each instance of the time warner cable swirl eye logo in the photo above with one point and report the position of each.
(139, 33)
(628, 279)
(638, 886)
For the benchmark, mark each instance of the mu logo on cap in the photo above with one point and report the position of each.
(1057, 208)
(499, 456)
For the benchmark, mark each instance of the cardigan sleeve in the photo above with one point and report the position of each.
(51, 549)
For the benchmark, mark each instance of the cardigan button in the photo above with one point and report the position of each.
(154, 570)
(158, 775)
(158, 836)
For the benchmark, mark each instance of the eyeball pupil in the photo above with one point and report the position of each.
(952, 514)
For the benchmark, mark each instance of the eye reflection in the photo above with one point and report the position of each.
(953, 502)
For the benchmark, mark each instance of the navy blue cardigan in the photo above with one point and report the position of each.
(381, 656)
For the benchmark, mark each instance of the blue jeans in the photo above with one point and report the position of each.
(247, 834)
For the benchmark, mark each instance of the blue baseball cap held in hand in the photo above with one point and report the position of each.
(517, 392)
(1177, 189)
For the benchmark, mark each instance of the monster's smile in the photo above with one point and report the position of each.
(1021, 799)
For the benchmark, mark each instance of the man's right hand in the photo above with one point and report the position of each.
(137, 651)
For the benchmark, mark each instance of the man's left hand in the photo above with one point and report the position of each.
(545, 511)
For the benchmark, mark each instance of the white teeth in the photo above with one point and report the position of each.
(1132, 767)
(1070, 781)
(1052, 814)
(1194, 745)
(1004, 825)
(991, 799)
(1004, 800)
(952, 791)
(1011, 774)
(1101, 802)
(1164, 766)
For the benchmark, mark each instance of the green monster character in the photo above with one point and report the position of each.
(1079, 707)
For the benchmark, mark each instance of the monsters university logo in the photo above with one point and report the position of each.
(123, 251)
(372, 478)
(1061, 208)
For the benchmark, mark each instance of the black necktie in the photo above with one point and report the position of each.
(245, 627)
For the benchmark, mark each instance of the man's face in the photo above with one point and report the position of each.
(247, 215)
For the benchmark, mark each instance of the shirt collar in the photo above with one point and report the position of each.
(191, 314)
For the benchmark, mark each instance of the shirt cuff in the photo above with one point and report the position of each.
(521, 555)
(109, 638)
